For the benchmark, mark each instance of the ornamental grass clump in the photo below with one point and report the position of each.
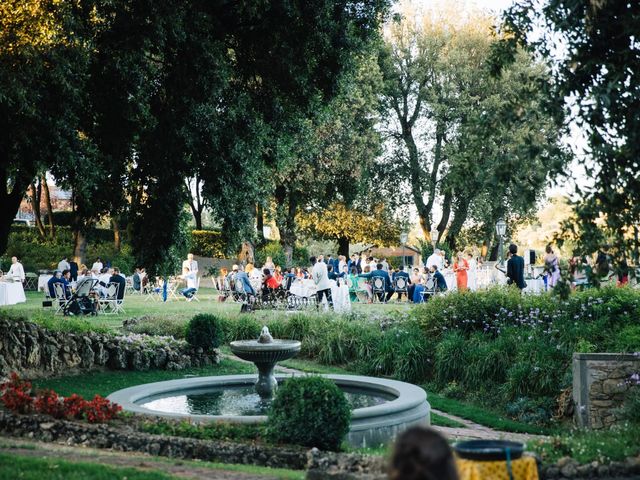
(309, 411)
(205, 331)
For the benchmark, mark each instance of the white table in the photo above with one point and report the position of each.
(42, 282)
(11, 293)
(340, 297)
(303, 288)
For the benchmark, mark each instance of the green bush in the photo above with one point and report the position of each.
(309, 411)
(207, 243)
(275, 251)
(205, 331)
(166, 326)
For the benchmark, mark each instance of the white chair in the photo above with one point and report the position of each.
(378, 286)
(110, 303)
(61, 299)
(195, 294)
(400, 285)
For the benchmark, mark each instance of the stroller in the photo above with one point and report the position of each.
(82, 301)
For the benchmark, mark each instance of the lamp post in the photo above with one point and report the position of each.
(434, 237)
(501, 229)
(404, 236)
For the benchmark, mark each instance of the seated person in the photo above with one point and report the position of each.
(271, 280)
(62, 278)
(104, 278)
(441, 283)
(192, 283)
(413, 281)
(402, 274)
(120, 281)
(242, 278)
(388, 287)
(421, 453)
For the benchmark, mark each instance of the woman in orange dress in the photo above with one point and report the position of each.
(460, 267)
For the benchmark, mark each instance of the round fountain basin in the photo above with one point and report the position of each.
(381, 408)
(276, 351)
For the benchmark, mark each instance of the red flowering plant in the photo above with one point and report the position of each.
(48, 402)
(101, 410)
(16, 394)
(74, 406)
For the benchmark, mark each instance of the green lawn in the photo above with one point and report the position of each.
(104, 383)
(14, 466)
(137, 306)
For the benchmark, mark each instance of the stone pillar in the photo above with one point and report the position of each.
(599, 387)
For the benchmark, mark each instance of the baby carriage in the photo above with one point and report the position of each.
(82, 301)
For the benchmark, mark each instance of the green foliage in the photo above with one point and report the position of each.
(628, 339)
(586, 446)
(208, 431)
(160, 325)
(207, 243)
(205, 331)
(309, 411)
(274, 250)
(631, 409)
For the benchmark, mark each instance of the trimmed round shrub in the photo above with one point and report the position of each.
(309, 411)
(205, 331)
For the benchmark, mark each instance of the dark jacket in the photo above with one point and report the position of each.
(515, 271)
(65, 285)
(388, 286)
(440, 281)
(122, 285)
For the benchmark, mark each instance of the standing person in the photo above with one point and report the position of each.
(74, 269)
(472, 274)
(460, 267)
(552, 267)
(320, 277)
(515, 268)
(435, 259)
(385, 264)
(63, 265)
(16, 271)
(191, 264)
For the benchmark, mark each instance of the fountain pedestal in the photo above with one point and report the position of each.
(265, 353)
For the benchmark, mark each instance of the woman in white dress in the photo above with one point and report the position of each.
(472, 273)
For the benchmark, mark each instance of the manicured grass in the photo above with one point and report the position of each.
(104, 383)
(136, 306)
(483, 416)
(15, 466)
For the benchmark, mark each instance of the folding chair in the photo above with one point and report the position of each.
(400, 285)
(61, 298)
(378, 286)
(109, 304)
(128, 288)
(195, 294)
(31, 281)
(430, 288)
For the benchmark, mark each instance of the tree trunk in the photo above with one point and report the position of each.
(197, 217)
(117, 241)
(35, 205)
(343, 246)
(260, 224)
(47, 199)
(10, 202)
(286, 221)
(459, 217)
(446, 213)
(79, 246)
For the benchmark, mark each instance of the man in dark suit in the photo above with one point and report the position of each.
(401, 274)
(515, 268)
(388, 286)
(120, 281)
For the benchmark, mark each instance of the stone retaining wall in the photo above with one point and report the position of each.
(47, 429)
(34, 351)
(600, 383)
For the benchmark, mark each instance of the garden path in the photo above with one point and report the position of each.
(470, 431)
(139, 461)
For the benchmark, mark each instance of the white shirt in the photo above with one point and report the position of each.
(63, 265)
(321, 276)
(16, 271)
(190, 279)
(97, 267)
(191, 265)
(435, 259)
(105, 278)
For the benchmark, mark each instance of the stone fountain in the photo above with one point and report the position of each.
(265, 352)
(380, 407)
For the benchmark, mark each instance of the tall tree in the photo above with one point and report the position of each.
(42, 61)
(596, 81)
